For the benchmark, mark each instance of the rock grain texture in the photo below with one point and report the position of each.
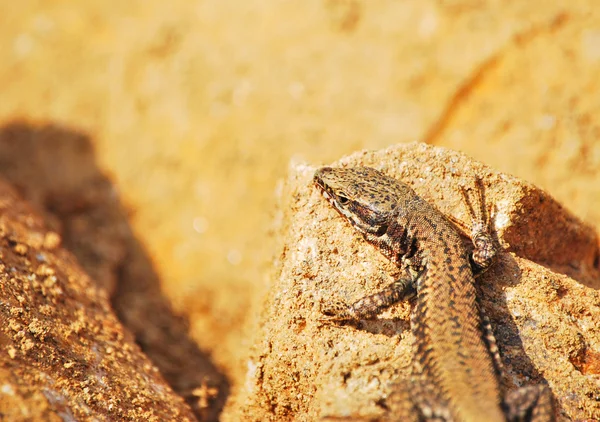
(65, 356)
(541, 296)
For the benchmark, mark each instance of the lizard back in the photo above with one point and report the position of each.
(451, 352)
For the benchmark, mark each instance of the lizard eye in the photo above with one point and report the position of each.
(342, 199)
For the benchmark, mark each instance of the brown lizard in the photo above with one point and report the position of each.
(457, 367)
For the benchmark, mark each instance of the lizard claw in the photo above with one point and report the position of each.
(336, 311)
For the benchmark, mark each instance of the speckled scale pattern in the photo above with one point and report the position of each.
(456, 366)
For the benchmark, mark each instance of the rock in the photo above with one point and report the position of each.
(541, 296)
(65, 354)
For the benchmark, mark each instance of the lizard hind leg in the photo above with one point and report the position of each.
(400, 404)
(399, 407)
(490, 340)
(530, 404)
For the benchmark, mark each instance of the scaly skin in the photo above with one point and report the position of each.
(456, 367)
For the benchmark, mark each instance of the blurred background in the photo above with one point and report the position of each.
(154, 135)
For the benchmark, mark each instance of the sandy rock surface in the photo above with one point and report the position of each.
(541, 296)
(65, 356)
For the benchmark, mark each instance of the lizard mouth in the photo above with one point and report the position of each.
(325, 193)
(319, 184)
(328, 196)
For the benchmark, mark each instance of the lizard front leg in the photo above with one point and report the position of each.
(370, 306)
(480, 231)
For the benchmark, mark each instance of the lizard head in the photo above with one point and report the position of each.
(365, 196)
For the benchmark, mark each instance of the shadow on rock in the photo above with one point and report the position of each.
(54, 167)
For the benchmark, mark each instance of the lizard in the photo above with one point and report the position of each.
(457, 368)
